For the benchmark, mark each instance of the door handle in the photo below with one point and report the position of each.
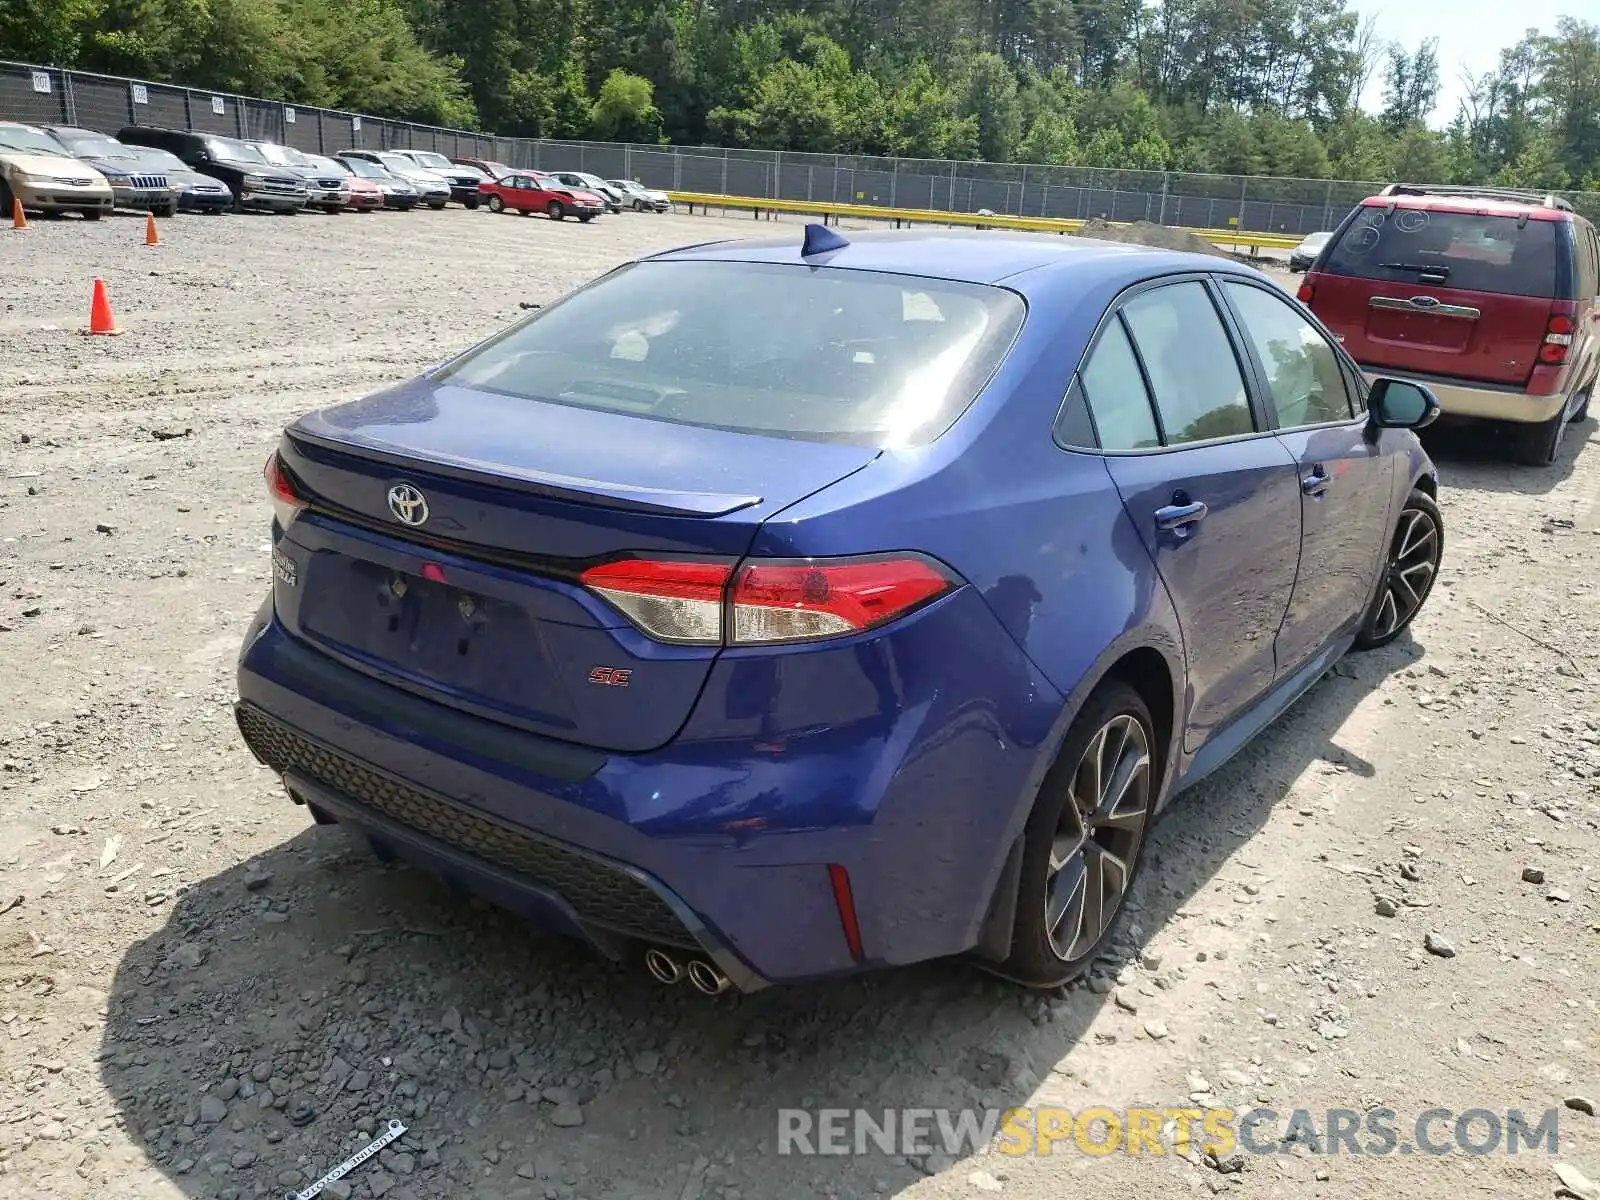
(1180, 518)
(1315, 483)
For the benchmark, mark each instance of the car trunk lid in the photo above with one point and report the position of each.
(478, 604)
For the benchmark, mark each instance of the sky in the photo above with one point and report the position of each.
(1471, 34)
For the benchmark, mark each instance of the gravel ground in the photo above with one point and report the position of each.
(201, 995)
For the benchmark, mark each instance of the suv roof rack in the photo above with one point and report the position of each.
(1543, 199)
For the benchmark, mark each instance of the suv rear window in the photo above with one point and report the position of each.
(1473, 252)
(801, 352)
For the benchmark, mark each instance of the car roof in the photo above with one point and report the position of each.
(964, 255)
(1484, 206)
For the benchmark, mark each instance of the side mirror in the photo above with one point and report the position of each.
(1399, 404)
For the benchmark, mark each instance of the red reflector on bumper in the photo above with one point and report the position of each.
(840, 878)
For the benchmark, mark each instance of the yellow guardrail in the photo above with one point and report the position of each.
(1232, 238)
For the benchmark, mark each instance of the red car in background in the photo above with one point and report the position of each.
(530, 192)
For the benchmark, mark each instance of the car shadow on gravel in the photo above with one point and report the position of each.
(291, 1005)
(1477, 457)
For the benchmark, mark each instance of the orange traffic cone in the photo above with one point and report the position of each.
(100, 319)
(151, 238)
(18, 221)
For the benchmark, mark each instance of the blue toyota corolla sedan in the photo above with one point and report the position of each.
(771, 610)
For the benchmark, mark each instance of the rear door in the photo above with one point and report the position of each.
(1346, 474)
(1464, 294)
(1215, 498)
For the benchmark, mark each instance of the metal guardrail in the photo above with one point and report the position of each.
(1253, 242)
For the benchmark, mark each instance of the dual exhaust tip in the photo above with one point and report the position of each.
(704, 975)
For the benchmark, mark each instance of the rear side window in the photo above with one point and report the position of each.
(1470, 251)
(1115, 391)
(816, 353)
(1199, 389)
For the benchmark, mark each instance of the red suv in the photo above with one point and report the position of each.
(1487, 296)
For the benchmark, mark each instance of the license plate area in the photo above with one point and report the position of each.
(441, 635)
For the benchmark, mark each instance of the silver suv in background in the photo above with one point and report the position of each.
(463, 179)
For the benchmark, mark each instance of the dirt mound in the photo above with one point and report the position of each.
(1148, 233)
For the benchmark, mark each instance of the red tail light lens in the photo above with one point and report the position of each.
(1558, 333)
(672, 601)
(1305, 293)
(285, 503)
(770, 601)
(778, 601)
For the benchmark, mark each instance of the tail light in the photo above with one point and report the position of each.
(1306, 292)
(285, 503)
(766, 601)
(672, 601)
(1558, 333)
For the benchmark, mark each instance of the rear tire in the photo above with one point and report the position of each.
(471, 205)
(496, 205)
(91, 214)
(556, 210)
(1582, 411)
(438, 205)
(1085, 838)
(1537, 445)
(1409, 571)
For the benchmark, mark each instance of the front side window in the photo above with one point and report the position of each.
(1305, 380)
(812, 353)
(1198, 388)
(1116, 393)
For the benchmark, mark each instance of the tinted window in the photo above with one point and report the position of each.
(1199, 390)
(1305, 379)
(1459, 250)
(803, 352)
(1116, 393)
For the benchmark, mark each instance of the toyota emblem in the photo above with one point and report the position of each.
(409, 506)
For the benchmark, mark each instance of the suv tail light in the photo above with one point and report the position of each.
(285, 502)
(1558, 333)
(766, 601)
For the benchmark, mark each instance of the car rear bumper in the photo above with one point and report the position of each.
(1480, 401)
(719, 843)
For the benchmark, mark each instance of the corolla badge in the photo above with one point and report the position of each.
(408, 504)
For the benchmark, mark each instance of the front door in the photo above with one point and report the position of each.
(1346, 477)
(1215, 497)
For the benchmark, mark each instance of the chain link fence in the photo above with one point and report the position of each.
(1256, 204)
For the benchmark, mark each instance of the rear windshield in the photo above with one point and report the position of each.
(812, 353)
(1458, 250)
